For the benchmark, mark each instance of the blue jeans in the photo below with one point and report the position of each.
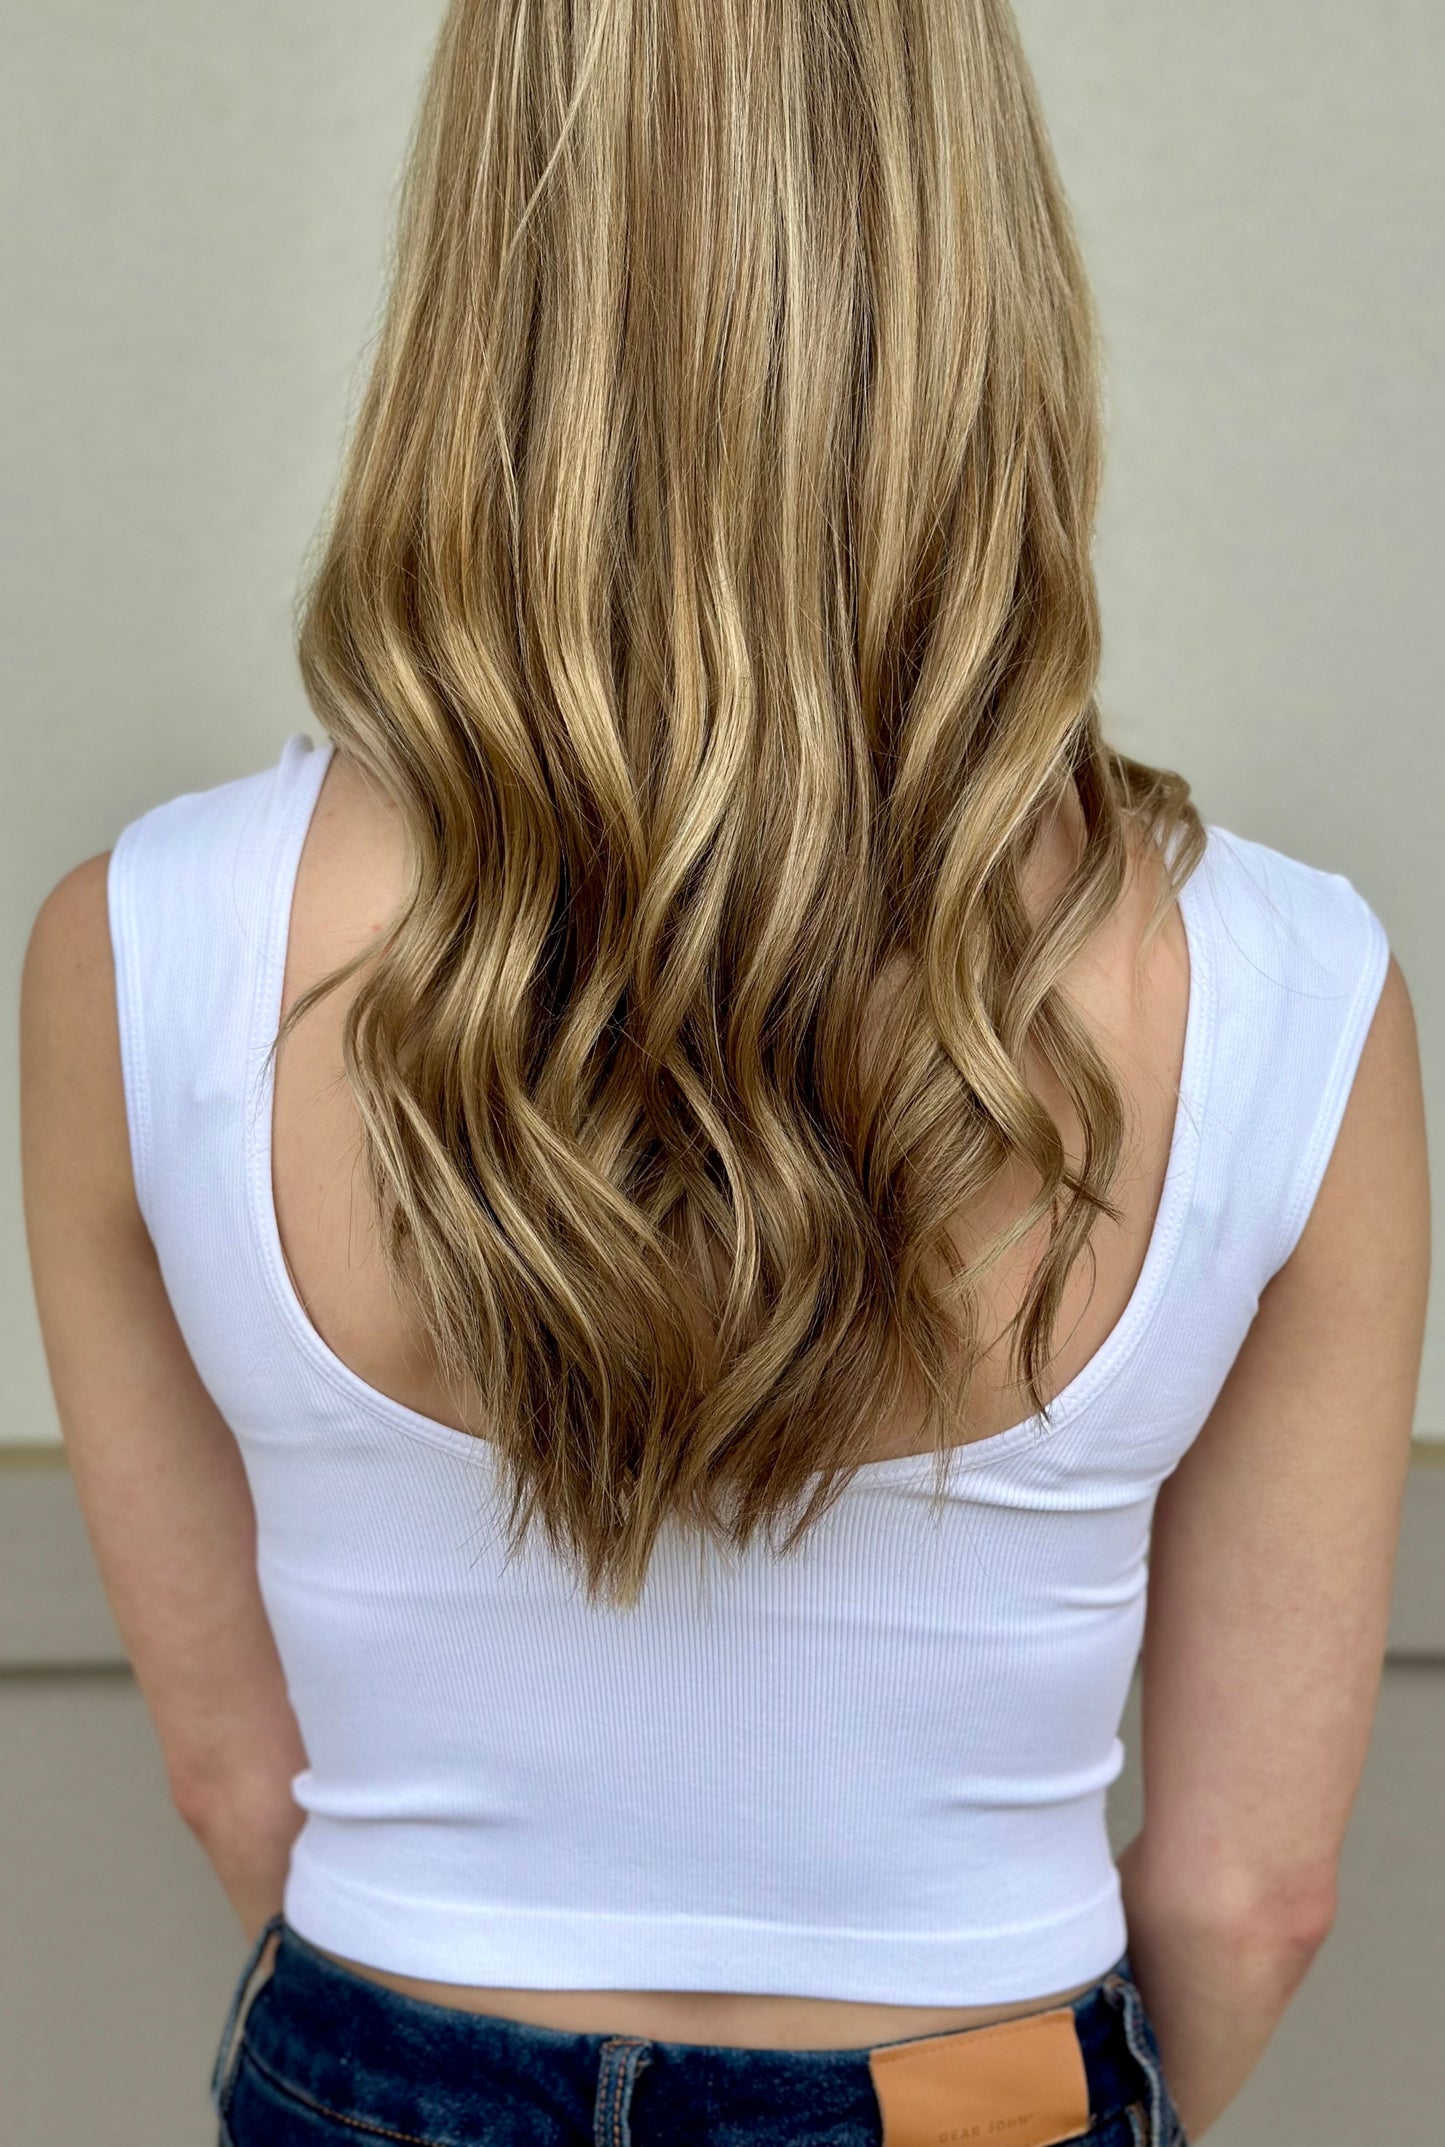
(321, 2057)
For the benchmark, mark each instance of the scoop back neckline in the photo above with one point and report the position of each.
(301, 772)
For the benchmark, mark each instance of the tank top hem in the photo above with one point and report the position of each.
(480, 1943)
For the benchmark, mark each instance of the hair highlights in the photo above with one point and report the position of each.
(709, 587)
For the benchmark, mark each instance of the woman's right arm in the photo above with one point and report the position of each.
(1271, 1572)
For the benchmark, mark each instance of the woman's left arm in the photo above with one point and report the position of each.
(156, 1468)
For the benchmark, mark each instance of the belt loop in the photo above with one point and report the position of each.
(623, 2057)
(1122, 1992)
(230, 2034)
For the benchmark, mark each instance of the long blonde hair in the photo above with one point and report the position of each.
(709, 589)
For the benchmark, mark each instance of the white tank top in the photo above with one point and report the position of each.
(875, 1770)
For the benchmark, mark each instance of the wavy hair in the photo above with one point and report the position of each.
(709, 589)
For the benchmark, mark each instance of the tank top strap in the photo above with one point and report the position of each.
(1302, 959)
(193, 887)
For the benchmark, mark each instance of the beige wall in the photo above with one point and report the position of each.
(196, 209)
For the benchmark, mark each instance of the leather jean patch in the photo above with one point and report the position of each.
(1021, 2083)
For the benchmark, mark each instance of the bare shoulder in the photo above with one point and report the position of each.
(73, 1123)
(74, 919)
(67, 966)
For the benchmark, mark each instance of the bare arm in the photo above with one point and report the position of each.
(156, 1468)
(1271, 1573)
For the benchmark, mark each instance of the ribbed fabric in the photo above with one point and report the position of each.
(873, 1770)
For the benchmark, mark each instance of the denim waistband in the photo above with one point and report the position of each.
(358, 2053)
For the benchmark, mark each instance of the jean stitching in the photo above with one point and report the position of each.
(1136, 2033)
(604, 2119)
(324, 2109)
(617, 2080)
(622, 2059)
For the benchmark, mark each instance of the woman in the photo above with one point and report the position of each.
(559, 1215)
